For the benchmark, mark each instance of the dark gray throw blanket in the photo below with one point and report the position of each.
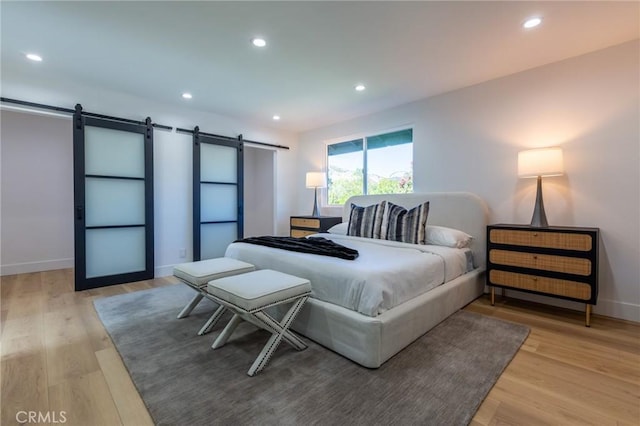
(313, 245)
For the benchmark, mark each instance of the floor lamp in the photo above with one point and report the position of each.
(537, 163)
(316, 180)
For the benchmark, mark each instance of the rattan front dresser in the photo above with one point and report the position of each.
(554, 261)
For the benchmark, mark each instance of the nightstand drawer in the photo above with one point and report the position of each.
(545, 262)
(301, 226)
(556, 240)
(305, 223)
(299, 233)
(545, 285)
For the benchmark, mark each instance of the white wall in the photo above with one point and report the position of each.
(468, 140)
(27, 202)
(37, 192)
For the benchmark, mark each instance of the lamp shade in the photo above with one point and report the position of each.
(540, 162)
(316, 180)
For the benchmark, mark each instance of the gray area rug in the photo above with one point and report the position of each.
(440, 379)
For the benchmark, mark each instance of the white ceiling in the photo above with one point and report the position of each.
(316, 52)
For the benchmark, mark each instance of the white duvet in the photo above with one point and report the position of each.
(385, 274)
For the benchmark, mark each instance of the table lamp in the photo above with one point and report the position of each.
(316, 180)
(536, 163)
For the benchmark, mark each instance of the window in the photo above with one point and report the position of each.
(379, 164)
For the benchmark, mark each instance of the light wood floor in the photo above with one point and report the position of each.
(57, 357)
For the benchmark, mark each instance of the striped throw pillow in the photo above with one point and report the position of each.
(366, 221)
(407, 226)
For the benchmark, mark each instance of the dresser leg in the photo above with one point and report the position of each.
(588, 315)
(493, 296)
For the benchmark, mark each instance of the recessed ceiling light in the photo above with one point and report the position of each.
(276, 117)
(34, 57)
(259, 42)
(532, 22)
(187, 95)
(360, 87)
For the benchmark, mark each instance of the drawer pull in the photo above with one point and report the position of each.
(535, 257)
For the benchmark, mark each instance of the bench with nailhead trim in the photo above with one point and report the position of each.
(197, 274)
(248, 295)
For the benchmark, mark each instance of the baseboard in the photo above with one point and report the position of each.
(605, 307)
(49, 265)
(27, 267)
(163, 271)
(615, 309)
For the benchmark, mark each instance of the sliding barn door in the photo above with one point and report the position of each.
(113, 186)
(217, 194)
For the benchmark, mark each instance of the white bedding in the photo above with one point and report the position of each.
(385, 274)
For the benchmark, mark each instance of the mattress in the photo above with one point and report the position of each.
(385, 274)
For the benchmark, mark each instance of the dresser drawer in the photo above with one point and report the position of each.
(545, 262)
(299, 233)
(305, 223)
(545, 285)
(557, 240)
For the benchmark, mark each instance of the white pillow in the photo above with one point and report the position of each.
(448, 237)
(339, 229)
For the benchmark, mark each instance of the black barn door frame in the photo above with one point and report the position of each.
(199, 138)
(79, 121)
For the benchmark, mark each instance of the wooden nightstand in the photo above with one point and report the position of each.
(554, 261)
(301, 226)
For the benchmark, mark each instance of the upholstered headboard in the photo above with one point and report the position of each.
(460, 210)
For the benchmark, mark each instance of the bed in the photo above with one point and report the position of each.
(370, 309)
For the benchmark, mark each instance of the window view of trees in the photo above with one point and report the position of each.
(343, 184)
(388, 159)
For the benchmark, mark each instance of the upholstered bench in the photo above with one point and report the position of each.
(197, 274)
(248, 295)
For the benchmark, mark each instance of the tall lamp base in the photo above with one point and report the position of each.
(539, 218)
(316, 212)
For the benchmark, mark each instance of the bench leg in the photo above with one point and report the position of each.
(187, 309)
(265, 354)
(211, 322)
(273, 326)
(275, 339)
(226, 333)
